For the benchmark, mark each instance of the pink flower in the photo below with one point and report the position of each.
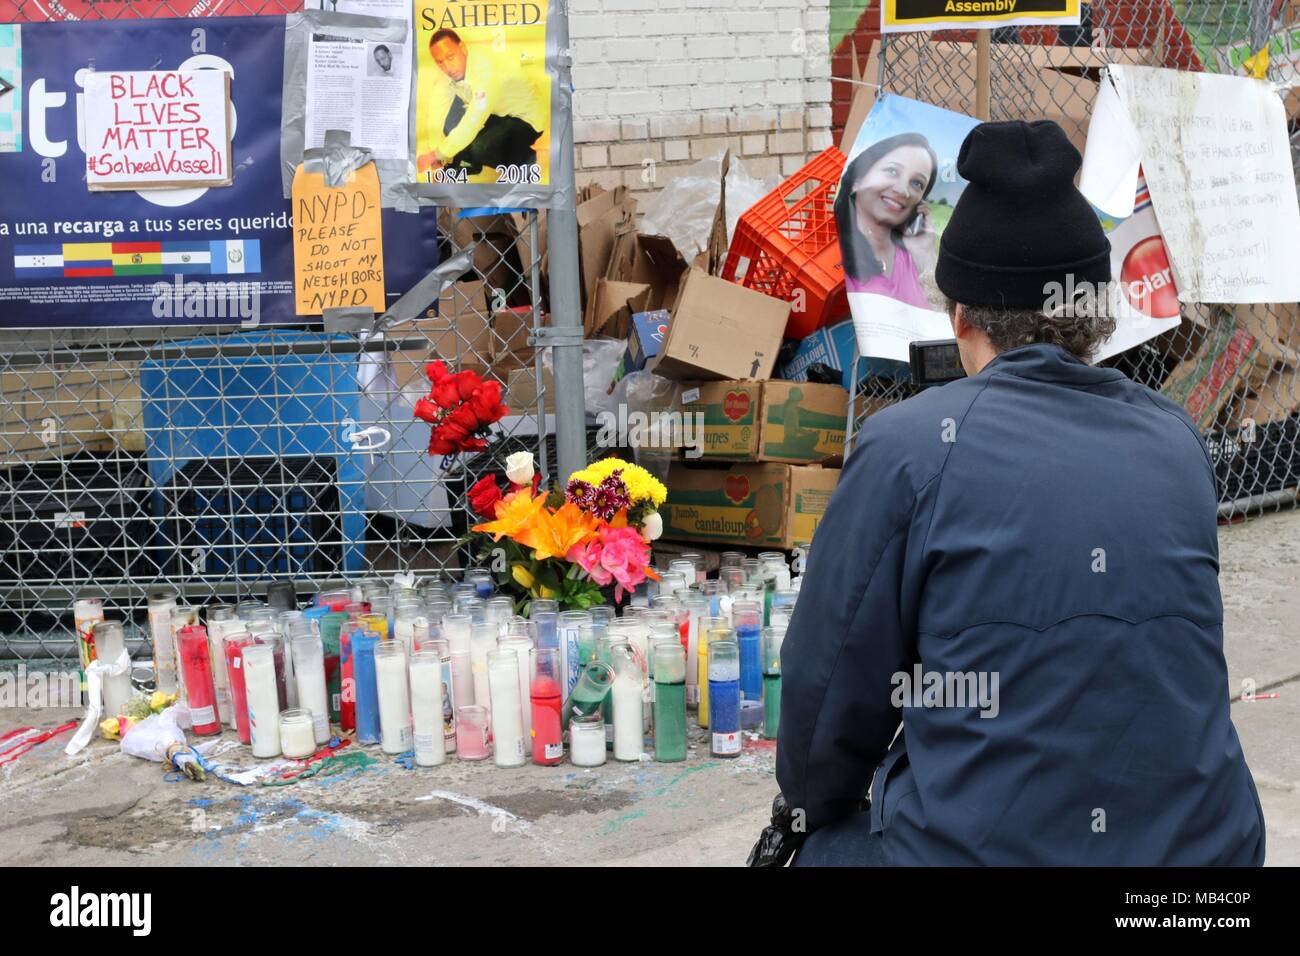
(620, 554)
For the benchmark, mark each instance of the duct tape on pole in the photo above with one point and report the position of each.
(566, 311)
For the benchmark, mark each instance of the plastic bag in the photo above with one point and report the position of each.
(600, 357)
(159, 738)
(653, 418)
(684, 209)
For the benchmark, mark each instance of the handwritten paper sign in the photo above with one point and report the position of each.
(165, 129)
(1217, 160)
(338, 244)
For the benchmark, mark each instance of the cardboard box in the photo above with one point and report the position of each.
(1205, 383)
(521, 391)
(458, 330)
(644, 275)
(835, 346)
(768, 505)
(721, 330)
(643, 342)
(602, 217)
(751, 421)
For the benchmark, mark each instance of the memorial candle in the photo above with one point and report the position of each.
(233, 645)
(161, 605)
(587, 740)
(724, 698)
(309, 672)
(627, 695)
(429, 737)
(772, 638)
(482, 641)
(182, 617)
(284, 621)
(196, 664)
(86, 613)
(394, 697)
(221, 620)
(522, 648)
(546, 699)
(443, 651)
(569, 624)
(717, 630)
(590, 694)
(670, 701)
(499, 611)
(263, 700)
(472, 741)
(509, 749)
(697, 609)
(330, 625)
(366, 686)
(282, 596)
(747, 622)
(297, 739)
(110, 642)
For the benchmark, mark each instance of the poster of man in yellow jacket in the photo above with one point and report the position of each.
(483, 108)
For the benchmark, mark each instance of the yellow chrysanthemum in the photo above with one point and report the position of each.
(641, 485)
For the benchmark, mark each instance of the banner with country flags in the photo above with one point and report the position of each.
(73, 258)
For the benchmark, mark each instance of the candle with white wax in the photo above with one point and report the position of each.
(521, 646)
(627, 703)
(263, 700)
(110, 642)
(309, 672)
(507, 726)
(297, 738)
(221, 621)
(587, 740)
(394, 697)
(161, 605)
(426, 708)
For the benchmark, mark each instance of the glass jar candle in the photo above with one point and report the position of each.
(747, 622)
(330, 625)
(394, 696)
(670, 701)
(522, 648)
(568, 625)
(546, 699)
(366, 686)
(601, 613)
(772, 638)
(707, 636)
(456, 631)
(196, 665)
(730, 559)
(411, 627)
(182, 616)
(309, 672)
(443, 650)
(697, 610)
(429, 736)
(697, 562)
(783, 601)
(482, 641)
(587, 740)
(263, 700)
(590, 693)
(543, 605)
(334, 599)
(627, 696)
(472, 733)
(499, 611)
(481, 580)
(508, 745)
(110, 643)
(774, 563)
(462, 679)
(685, 568)
(724, 698)
(161, 604)
(297, 736)
(232, 656)
(731, 578)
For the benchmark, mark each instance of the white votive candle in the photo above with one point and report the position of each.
(309, 674)
(297, 738)
(509, 748)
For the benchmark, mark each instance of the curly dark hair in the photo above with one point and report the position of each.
(1079, 334)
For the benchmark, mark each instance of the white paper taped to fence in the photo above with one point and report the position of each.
(1216, 157)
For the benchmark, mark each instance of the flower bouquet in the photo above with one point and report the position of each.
(569, 545)
(461, 407)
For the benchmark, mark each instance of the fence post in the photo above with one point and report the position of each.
(566, 301)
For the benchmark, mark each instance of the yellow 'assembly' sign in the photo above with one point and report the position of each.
(902, 16)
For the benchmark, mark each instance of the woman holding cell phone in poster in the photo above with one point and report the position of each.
(886, 229)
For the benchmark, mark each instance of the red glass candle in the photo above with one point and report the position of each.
(347, 682)
(197, 664)
(546, 699)
(234, 645)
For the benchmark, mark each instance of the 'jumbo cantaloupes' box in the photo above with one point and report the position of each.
(793, 422)
(770, 504)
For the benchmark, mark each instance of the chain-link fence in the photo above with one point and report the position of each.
(1234, 368)
(215, 460)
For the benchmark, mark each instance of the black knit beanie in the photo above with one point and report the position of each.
(1020, 223)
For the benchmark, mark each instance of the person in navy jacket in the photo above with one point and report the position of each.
(1011, 628)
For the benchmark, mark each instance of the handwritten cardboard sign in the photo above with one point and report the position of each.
(338, 244)
(157, 129)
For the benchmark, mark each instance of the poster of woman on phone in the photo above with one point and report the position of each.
(898, 190)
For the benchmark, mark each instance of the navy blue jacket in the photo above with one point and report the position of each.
(1051, 524)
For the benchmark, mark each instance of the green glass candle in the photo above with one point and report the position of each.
(670, 701)
(772, 638)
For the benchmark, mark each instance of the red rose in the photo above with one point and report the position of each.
(427, 410)
(439, 445)
(484, 495)
(436, 370)
(466, 382)
(445, 394)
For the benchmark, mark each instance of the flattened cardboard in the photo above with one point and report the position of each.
(721, 330)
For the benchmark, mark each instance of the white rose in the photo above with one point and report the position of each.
(519, 468)
(652, 527)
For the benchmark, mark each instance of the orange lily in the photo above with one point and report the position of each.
(514, 513)
(555, 532)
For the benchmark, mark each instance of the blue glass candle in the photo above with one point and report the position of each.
(547, 622)
(367, 685)
(724, 698)
(747, 621)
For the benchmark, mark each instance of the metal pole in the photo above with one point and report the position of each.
(566, 300)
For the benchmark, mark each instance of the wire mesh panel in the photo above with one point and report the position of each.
(215, 460)
(1234, 368)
